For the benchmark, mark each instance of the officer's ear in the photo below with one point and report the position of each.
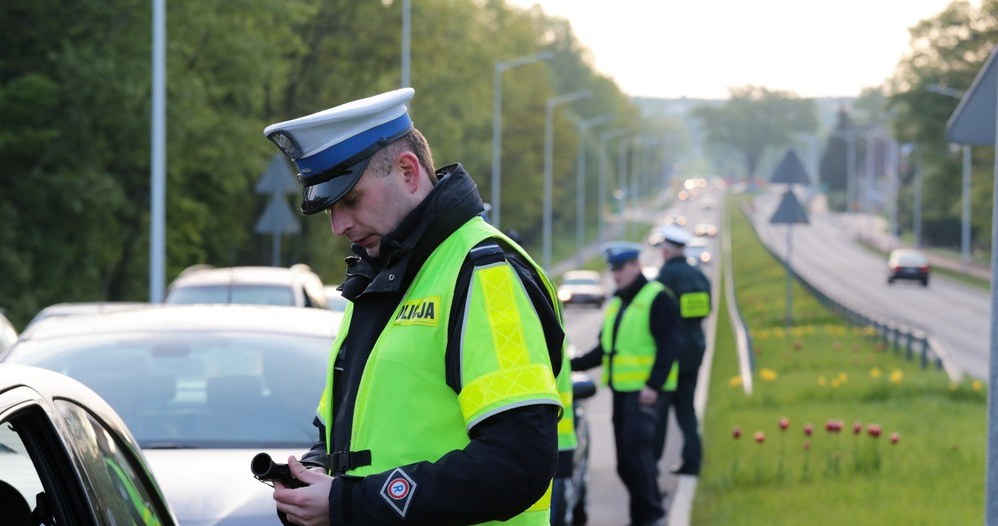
(408, 165)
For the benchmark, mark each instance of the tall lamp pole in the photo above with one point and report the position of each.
(549, 108)
(580, 182)
(157, 220)
(500, 68)
(965, 215)
(603, 168)
(406, 40)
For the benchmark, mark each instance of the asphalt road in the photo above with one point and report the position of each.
(826, 254)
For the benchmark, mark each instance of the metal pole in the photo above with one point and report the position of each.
(549, 108)
(604, 169)
(991, 491)
(965, 219)
(406, 39)
(850, 170)
(895, 153)
(580, 183)
(499, 69)
(157, 220)
(790, 280)
(917, 214)
(864, 199)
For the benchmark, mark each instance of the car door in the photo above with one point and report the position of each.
(60, 464)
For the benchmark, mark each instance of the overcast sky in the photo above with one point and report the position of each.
(700, 48)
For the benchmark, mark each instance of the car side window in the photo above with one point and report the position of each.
(127, 496)
(19, 481)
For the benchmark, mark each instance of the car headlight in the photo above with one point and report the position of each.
(564, 295)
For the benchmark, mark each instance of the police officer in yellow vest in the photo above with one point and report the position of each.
(638, 365)
(440, 404)
(692, 290)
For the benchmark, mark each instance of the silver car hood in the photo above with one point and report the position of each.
(214, 487)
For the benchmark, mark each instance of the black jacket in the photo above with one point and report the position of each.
(511, 457)
(663, 318)
(683, 278)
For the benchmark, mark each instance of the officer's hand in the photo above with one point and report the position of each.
(308, 505)
(648, 396)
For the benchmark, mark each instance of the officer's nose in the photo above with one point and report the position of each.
(339, 220)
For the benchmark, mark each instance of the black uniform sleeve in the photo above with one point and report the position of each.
(592, 358)
(663, 320)
(504, 470)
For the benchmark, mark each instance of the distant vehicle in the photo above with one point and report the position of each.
(650, 273)
(8, 334)
(201, 387)
(674, 218)
(908, 263)
(582, 286)
(296, 286)
(708, 203)
(74, 309)
(67, 458)
(334, 299)
(698, 251)
(705, 229)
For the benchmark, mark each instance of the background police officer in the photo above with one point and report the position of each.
(440, 404)
(692, 291)
(634, 350)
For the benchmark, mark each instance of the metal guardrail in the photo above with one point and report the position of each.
(743, 340)
(900, 335)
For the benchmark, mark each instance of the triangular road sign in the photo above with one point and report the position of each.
(277, 178)
(278, 218)
(790, 170)
(790, 211)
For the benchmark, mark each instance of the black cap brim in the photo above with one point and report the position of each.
(318, 197)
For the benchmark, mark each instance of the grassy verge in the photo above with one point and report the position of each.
(825, 373)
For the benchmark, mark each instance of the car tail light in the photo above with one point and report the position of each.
(924, 268)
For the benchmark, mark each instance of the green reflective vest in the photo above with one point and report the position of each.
(629, 353)
(405, 412)
(567, 441)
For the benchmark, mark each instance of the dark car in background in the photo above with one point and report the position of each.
(66, 457)
(203, 388)
(296, 286)
(909, 264)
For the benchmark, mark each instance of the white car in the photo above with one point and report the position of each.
(582, 286)
(296, 286)
(203, 388)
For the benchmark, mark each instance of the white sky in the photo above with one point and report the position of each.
(700, 48)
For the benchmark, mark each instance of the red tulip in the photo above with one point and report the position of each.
(895, 437)
(857, 427)
(760, 437)
(833, 426)
(736, 432)
(808, 429)
(873, 430)
(784, 423)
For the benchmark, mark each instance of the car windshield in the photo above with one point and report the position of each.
(581, 281)
(909, 259)
(241, 294)
(197, 390)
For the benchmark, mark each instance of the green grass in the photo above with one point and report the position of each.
(827, 370)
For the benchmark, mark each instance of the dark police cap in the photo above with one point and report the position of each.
(620, 252)
(331, 148)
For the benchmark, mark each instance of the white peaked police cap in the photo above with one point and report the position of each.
(331, 148)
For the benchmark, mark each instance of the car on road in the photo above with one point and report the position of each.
(705, 229)
(66, 457)
(92, 307)
(203, 388)
(908, 263)
(698, 251)
(582, 287)
(296, 286)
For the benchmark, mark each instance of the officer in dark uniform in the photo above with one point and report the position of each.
(692, 291)
(440, 404)
(638, 364)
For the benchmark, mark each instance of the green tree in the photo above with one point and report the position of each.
(754, 119)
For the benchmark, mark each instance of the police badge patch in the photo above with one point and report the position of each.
(398, 490)
(287, 144)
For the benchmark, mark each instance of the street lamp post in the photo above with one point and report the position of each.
(603, 168)
(549, 108)
(965, 212)
(580, 182)
(500, 68)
